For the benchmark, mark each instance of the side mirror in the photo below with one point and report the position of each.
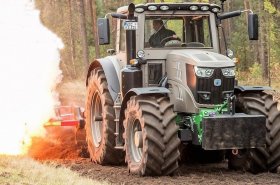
(103, 31)
(253, 26)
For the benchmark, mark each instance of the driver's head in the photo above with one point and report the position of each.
(157, 24)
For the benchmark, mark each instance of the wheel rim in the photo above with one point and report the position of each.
(136, 151)
(96, 126)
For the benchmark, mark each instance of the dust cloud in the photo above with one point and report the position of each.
(29, 73)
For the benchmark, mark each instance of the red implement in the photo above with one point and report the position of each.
(67, 116)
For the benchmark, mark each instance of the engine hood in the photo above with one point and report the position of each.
(200, 58)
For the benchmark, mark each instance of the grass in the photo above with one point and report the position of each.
(18, 170)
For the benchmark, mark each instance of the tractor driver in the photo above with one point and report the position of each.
(157, 39)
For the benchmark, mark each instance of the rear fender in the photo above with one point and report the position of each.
(111, 69)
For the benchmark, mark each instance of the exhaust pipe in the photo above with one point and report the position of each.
(130, 36)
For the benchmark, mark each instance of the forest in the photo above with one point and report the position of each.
(74, 21)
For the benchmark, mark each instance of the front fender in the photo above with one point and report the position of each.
(239, 89)
(111, 70)
(140, 91)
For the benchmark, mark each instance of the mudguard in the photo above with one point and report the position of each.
(144, 90)
(149, 90)
(111, 69)
(140, 91)
(238, 89)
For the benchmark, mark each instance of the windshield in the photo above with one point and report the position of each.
(177, 31)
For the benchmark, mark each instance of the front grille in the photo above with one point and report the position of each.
(216, 92)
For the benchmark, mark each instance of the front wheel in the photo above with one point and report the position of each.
(151, 141)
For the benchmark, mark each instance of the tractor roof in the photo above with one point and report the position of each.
(140, 8)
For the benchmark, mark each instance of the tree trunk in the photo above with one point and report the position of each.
(93, 14)
(263, 47)
(83, 33)
(226, 24)
(72, 44)
(229, 5)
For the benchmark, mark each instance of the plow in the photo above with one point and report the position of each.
(70, 116)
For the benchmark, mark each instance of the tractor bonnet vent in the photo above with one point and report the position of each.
(203, 57)
(219, 56)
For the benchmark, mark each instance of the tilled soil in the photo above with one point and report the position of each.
(59, 148)
(194, 174)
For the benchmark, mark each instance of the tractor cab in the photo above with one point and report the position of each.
(168, 27)
(194, 26)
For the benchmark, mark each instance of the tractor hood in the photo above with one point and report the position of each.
(200, 58)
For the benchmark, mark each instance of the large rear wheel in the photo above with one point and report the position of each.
(260, 159)
(100, 124)
(151, 140)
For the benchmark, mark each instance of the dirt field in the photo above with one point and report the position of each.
(198, 174)
(59, 147)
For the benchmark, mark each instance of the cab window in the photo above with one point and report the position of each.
(177, 31)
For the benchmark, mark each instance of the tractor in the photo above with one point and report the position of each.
(155, 106)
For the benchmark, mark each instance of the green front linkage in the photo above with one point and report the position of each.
(196, 119)
(207, 112)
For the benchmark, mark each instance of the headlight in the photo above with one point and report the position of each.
(193, 7)
(230, 53)
(164, 7)
(228, 71)
(204, 8)
(215, 9)
(152, 7)
(139, 10)
(203, 72)
(141, 53)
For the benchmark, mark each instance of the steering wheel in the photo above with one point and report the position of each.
(167, 39)
(195, 44)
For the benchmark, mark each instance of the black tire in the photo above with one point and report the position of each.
(260, 159)
(100, 123)
(156, 152)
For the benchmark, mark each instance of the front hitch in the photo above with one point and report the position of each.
(231, 104)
